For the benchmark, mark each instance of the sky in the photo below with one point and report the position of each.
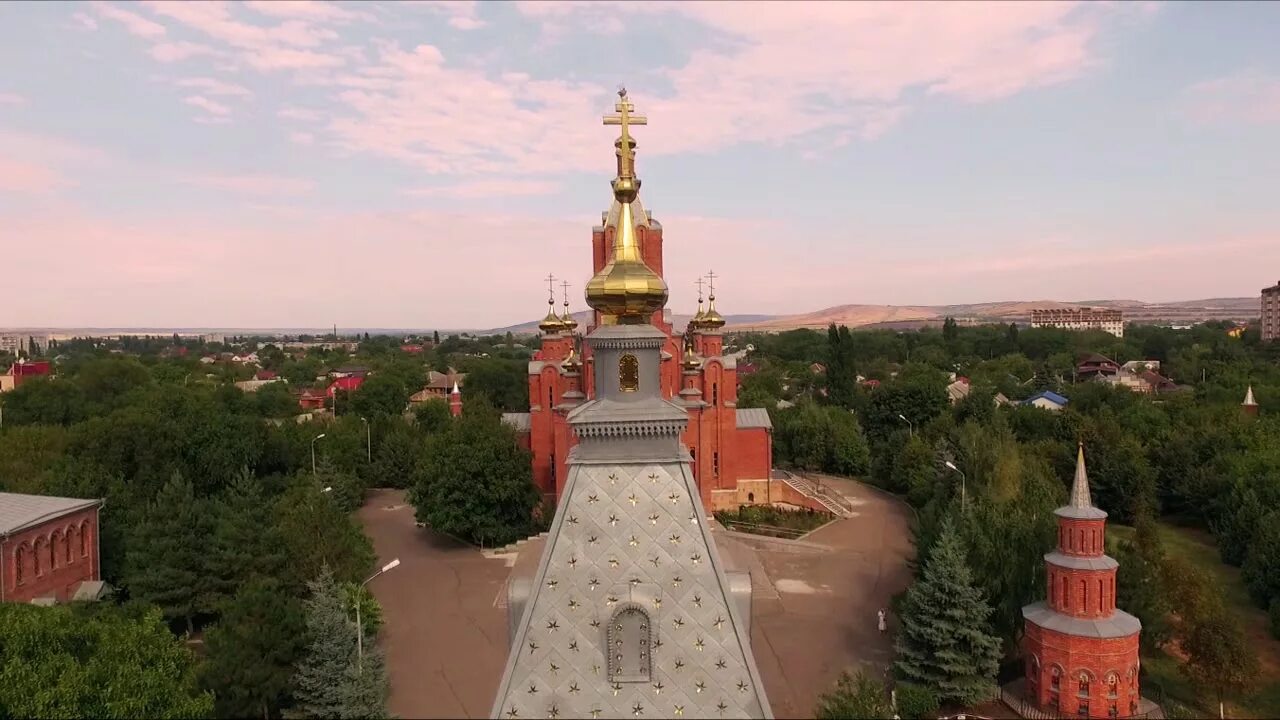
(427, 164)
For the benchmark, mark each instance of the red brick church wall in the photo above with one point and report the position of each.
(52, 558)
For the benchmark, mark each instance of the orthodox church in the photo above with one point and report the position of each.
(731, 448)
(630, 611)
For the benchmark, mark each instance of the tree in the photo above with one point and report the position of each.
(246, 544)
(275, 400)
(504, 384)
(318, 533)
(167, 563)
(45, 401)
(332, 679)
(945, 643)
(1261, 569)
(252, 651)
(397, 456)
(380, 395)
(432, 415)
(840, 374)
(1218, 658)
(855, 697)
(475, 482)
(950, 330)
(1242, 516)
(435, 337)
(97, 662)
(1140, 587)
(915, 472)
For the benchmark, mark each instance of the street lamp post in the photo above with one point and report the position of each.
(368, 439)
(963, 498)
(360, 627)
(911, 429)
(313, 453)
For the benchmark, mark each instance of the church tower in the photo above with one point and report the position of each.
(1081, 652)
(630, 612)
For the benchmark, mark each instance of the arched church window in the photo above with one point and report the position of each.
(628, 373)
(36, 551)
(1113, 684)
(1055, 678)
(629, 643)
(1083, 679)
(84, 540)
(715, 464)
(55, 540)
(20, 564)
(71, 543)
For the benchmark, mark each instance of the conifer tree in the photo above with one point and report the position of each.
(332, 680)
(246, 543)
(946, 642)
(167, 563)
(252, 651)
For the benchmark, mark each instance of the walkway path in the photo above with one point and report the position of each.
(814, 611)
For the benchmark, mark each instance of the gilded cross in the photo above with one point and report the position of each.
(551, 288)
(699, 291)
(626, 146)
(711, 281)
(565, 285)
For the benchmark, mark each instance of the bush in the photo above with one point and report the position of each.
(916, 701)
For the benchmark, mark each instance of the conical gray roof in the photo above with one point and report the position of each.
(1248, 397)
(1080, 505)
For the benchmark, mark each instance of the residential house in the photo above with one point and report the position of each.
(438, 386)
(24, 370)
(1046, 400)
(958, 390)
(1093, 364)
(48, 548)
(309, 399)
(345, 383)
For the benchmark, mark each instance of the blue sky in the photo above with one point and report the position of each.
(425, 164)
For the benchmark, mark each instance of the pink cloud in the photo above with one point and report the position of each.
(302, 138)
(12, 99)
(210, 106)
(1246, 97)
(133, 22)
(168, 52)
(461, 14)
(296, 113)
(26, 177)
(267, 185)
(305, 10)
(486, 189)
(214, 86)
(84, 22)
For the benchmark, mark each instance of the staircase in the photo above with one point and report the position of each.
(834, 502)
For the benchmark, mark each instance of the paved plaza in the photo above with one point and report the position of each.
(814, 610)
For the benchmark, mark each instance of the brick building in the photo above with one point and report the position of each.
(48, 547)
(1103, 319)
(1081, 653)
(1270, 309)
(731, 448)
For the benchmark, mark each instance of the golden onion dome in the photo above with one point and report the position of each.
(711, 319)
(567, 320)
(551, 324)
(691, 361)
(625, 287)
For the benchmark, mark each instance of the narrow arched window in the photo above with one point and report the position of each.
(36, 550)
(20, 565)
(628, 373)
(1101, 600)
(84, 540)
(1084, 595)
(70, 544)
(630, 641)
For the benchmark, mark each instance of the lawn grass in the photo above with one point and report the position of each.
(1197, 547)
(773, 521)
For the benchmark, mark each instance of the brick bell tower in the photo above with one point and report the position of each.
(1081, 652)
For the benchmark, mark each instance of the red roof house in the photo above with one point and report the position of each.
(350, 383)
(265, 375)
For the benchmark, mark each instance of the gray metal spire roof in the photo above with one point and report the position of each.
(630, 612)
(1080, 505)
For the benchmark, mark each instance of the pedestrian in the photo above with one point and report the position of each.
(880, 615)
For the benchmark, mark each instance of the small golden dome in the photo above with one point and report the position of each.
(711, 319)
(567, 320)
(691, 361)
(572, 363)
(551, 324)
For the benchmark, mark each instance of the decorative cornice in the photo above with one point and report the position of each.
(626, 343)
(634, 428)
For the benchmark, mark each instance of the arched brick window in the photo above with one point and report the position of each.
(1083, 680)
(1084, 595)
(1062, 582)
(1033, 675)
(55, 545)
(38, 549)
(629, 643)
(1055, 678)
(84, 539)
(1113, 684)
(20, 564)
(1101, 601)
(70, 544)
